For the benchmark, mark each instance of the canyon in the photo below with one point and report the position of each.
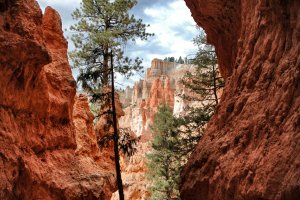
(251, 146)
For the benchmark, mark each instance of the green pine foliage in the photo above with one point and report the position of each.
(172, 59)
(169, 59)
(202, 86)
(164, 164)
(102, 30)
(206, 81)
(180, 60)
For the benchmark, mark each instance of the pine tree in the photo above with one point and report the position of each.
(102, 29)
(180, 60)
(201, 86)
(206, 80)
(164, 163)
(172, 59)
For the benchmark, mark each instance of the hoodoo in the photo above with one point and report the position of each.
(251, 146)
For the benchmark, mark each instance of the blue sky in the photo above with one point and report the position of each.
(170, 21)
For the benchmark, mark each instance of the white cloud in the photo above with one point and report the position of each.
(170, 24)
(170, 21)
(59, 3)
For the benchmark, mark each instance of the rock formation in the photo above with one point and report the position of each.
(160, 86)
(141, 104)
(47, 146)
(251, 146)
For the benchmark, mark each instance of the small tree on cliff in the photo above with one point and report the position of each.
(103, 28)
(206, 80)
(164, 162)
(201, 86)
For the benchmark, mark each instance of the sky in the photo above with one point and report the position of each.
(170, 21)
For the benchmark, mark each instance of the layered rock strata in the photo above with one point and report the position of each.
(251, 146)
(47, 146)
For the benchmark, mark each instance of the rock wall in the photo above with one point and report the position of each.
(47, 146)
(251, 146)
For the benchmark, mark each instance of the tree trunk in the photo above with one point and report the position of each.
(215, 84)
(116, 135)
(105, 66)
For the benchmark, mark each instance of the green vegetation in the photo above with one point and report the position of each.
(202, 86)
(102, 29)
(172, 59)
(206, 81)
(164, 163)
(175, 138)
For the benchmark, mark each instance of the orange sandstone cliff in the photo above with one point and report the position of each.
(251, 148)
(47, 142)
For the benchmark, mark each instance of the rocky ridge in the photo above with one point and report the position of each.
(47, 140)
(251, 146)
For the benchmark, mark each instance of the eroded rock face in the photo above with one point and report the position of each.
(97, 166)
(43, 153)
(252, 144)
(160, 85)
